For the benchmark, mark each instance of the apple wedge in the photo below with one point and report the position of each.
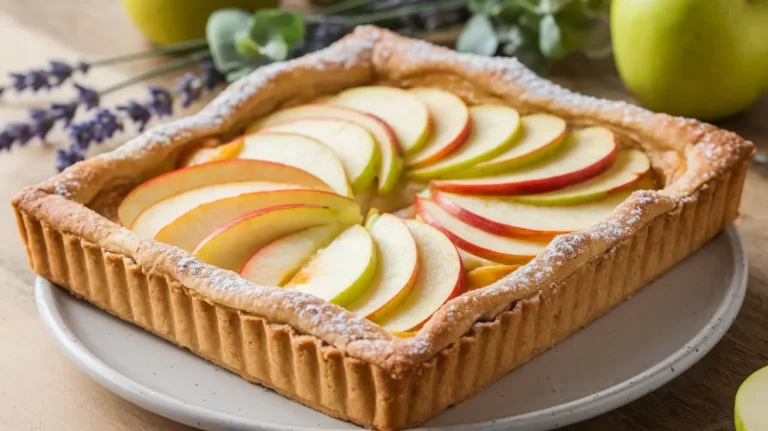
(340, 272)
(540, 134)
(451, 125)
(487, 275)
(301, 152)
(493, 131)
(191, 228)
(440, 278)
(226, 171)
(507, 217)
(629, 168)
(584, 154)
(230, 246)
(401, 110)
(204, 154)
(477, 241)
(396, 271)
(354, 145)
(150, 221)
(391, 164)
(470, 261)
(276, 263)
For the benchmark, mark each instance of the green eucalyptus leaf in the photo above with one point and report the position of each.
(272, 24)
(478, 36)
(220, 31)
(513, 38)
(551, 7)
(551, 41)
(485, 7)
(236, 74)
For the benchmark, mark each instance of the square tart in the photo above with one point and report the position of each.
(323, 356)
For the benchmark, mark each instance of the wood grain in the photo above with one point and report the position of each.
(41, 390)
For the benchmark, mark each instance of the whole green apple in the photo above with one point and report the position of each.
(697, 58)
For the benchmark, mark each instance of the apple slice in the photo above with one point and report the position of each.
(203, 154)
(404, 112)
(540, 135)
(189, 229)
(630, 167)
(162, 213)
(493, 131)
(470, 261)
(226, 171)
(276, 263)
(391, 164)
(451, 125)
(396, 271)
(506, 217)
(439, 279)
(487, 275)
(301, 152)
(354, 146)
(477, 241)
(230, 246)
(340, 272)
(584, 154)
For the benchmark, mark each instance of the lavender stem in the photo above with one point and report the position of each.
(170, 67)
(162, 50)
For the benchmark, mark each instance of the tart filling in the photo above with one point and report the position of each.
(482, 180)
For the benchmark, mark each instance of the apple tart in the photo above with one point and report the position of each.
(383, 228)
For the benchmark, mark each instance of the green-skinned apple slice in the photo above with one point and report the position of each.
(493, 132)
(226, 171)
(354, 145)
(585, 154)
(451, 125)
(276, 263)
(627, 170)
(477, 241)
(230, 246)
(506, 217)
(439, 279)
(301, 152)
(391, 164)
(150, 221)
(401, 110)
(396, 271)
(340, 272)
(540, 135)
(191, 228)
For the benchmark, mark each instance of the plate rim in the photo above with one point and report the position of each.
(556, 416)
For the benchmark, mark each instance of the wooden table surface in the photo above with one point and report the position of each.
(41, 390)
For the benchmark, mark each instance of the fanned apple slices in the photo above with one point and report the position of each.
(492, 189)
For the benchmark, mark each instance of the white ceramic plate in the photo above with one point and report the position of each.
(633, 350)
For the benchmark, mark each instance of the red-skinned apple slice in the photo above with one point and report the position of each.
(401, 110)
(276, 263)
(396, 271)
(354, 145)
(629, 168)
(506, 217)
(439, 279)
(584, 154)
(162, 213)
(493, 131)
(226, 171)
(189, 229)
(477, 241)
(540, 134)
(230, 246)
(451, 125)
(301, 152)
(391, 164)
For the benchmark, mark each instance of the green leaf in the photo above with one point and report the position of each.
(269, 25)
(478, 36)
(551, 7)
(485, 7)
(236, 74)
(551, 41)
(512, 38)
(220, 31)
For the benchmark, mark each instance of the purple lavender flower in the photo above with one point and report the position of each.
(60, 72)
(160, 101)
(42, 122)
(2, 90)
(67, 158)
(82, 134)
(64, 112)
(83, 67)
(19, 81)
(137, 112)
(6, 140)
(190, 88)
(106, 124)
(210, 76)
(87, 96)
(21, 132)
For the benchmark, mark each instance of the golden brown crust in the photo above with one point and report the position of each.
(699, 164)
